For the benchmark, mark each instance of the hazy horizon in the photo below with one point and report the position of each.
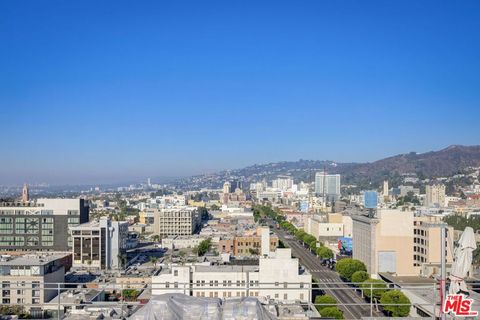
(119, 91)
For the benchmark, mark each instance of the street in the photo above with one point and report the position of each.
(329, 281)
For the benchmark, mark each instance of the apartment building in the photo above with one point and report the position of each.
(276, 277)
(40, 225)
(31, 280)
(261, 242)
(99, 244)
(397, 242)
(176, 221)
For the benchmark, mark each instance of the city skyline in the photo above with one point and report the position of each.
(113, 92)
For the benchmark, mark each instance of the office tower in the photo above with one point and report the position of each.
(370, 199)
(99, 244)
(176, 221)
(149, 182)
(435, 195)
(328, 184)
(41, 224)
(25, 193)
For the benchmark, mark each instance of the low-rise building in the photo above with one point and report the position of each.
(32, 279)
(276, 277)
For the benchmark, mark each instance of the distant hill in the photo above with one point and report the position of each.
(443, 163)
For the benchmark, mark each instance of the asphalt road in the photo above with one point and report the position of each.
(329, 281)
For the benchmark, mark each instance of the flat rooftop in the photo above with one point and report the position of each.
(226, 268)
(32, 259)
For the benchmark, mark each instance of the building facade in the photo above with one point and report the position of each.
(99, 244)
(328, 184)
(40, 225)
(397, 242)
(176, 221)
(435, 195)
(31, 280)
(276, 277)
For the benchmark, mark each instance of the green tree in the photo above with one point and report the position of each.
(203, 247)
(375, 287)
(331, 312)
(325, 253)
(347, 267)
(325, 301)
(299, 234)
(130, 294)
(359, 277)
(395, 303)
(313, 244)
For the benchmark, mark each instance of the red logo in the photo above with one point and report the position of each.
(459, 306)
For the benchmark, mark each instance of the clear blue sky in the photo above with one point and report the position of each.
(102, 91)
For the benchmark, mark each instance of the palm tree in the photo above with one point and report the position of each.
(154, 260)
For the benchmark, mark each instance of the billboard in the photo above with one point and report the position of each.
(345, 244)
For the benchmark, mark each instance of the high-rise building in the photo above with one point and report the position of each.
(398, 242)
(328, 184)
(40, 225)
(435, 195)
(99, 244)
(25, 193)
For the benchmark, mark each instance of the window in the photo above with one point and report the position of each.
(175, 273)
(301, 296)
(167, 284)
(276, 295)
(285, 296)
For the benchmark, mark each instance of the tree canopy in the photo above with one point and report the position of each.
(325, 301)
(395, 303)
(331, 312)
(348, 266)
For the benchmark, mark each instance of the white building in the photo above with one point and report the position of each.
(182, 242)
(283, 183)
(276, 277)
(99, 244)
(332, 185)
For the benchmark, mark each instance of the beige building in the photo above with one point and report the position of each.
(397, 242)
(30, 280)
(176, 221)
(331, 225)
(435, 195)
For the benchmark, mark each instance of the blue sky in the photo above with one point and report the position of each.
(94, 92)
